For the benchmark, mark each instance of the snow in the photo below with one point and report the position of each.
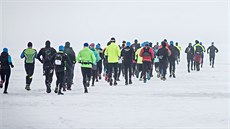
(196, 100)
(192, 100)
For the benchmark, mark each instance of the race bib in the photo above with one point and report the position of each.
(58, 62)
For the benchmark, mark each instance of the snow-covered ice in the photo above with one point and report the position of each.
(196, 100)
(192, 100)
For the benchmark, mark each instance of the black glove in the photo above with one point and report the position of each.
(12, 66)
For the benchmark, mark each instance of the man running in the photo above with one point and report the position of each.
(30, 55)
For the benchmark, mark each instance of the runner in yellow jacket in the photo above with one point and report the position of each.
(113, 53)
(179, 49)
(138, 58)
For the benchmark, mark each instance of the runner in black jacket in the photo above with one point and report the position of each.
(162, 54)
(70, 70)
(127, 54)
(190, 54)
(48, 67)
(61, 62)
(212, 50)
(172, 59)
(5, 69)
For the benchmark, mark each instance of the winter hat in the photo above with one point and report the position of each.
(112, 39)
(67, 44)
(5, 50)
(86, 44)
(128, 44)
(98, 46)
(61, 48)
(150, 44)
(92, 45)
(171, 43)
(146, 43)
(163, 44)
(143, 44)
(47, 43)
(29, 44)
(196, 41)
(200, 43)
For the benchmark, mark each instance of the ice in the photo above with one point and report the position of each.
(192, 100)
(196, 100)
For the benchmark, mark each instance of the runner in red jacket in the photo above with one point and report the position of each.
(148, 55)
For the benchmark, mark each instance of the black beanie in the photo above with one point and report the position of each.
(67, 44)
(47, 43)
(29, 44)
(163, 44)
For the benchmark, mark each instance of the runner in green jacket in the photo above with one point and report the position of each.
(87, 59)
(30, 55)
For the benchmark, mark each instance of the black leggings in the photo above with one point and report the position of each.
(69, 76)
(163, 67)
(172, 67)
(146, 67)
(190, 62)
(29, 71)
(139, 70)
(99, 66)
(94, 75)
(120, 70)
(5, 76)
(212, 60)
(48, 72)
(128, 69)
(86, 74)
(60, 80)
(113, 68)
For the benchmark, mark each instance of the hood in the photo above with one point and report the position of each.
(93, 49)
(5, 50)
(67, 44)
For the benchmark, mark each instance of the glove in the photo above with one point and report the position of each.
(12, 66)
(74, 62)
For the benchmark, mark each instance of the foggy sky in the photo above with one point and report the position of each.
(98, 21)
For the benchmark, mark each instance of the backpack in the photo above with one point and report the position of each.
(70, 53)
(146, 52)
(58, 60)
(197, 58)
(199, 49)
(4, 60)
